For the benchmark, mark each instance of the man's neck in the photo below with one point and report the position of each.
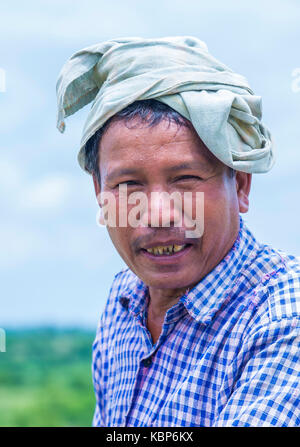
(160, 301)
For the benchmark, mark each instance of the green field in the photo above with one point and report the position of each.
(45, 378)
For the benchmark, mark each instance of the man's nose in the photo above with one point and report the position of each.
(164, 209)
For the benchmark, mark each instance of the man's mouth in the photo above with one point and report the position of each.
(162, 250)
(166, 253)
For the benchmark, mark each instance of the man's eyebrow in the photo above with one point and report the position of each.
(193, 165)
(119, 172)
(131, 171)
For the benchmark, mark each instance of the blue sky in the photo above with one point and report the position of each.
(56, 264)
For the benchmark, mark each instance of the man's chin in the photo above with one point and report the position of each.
(177, 281)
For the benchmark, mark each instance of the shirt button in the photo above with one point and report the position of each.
(147, 362)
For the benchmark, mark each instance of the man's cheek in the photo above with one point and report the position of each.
(194, 214)
(121, 240)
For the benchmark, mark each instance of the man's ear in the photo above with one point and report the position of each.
(243, 185)
(100, 218)
(97, 188)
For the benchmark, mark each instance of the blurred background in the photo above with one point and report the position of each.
(56, 264)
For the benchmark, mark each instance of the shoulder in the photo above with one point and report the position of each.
(123, 281)
(284, 289)
(275, 290)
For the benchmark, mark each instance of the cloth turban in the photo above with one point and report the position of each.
(180, 72)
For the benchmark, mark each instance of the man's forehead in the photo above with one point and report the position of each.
(135, 130)
(122, 142)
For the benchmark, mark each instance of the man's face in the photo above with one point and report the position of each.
(170, 158)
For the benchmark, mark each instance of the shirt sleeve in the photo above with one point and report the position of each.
(98, 418)
(100, 374)
(267, 385)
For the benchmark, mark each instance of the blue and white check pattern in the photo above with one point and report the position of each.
(228, 354)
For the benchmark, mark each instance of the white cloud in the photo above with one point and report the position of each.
(19, 193)
(74, 20)
(48, 193)
(83, 244)
(31, 229)
(22, 99)
(68, 19)
(10, 176)
(17, 244)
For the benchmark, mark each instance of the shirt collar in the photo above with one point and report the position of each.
(207, 297)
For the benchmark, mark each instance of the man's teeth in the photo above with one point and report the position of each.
(165, 250)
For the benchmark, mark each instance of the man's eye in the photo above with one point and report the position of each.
(127, 182)
(188, 177)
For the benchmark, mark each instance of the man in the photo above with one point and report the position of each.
(201, 329)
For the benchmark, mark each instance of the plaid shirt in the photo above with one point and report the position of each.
(228, 353)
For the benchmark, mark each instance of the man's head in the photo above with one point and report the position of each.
(151, 148)
(212, 151)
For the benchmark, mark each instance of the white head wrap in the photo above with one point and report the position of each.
(179, 72)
